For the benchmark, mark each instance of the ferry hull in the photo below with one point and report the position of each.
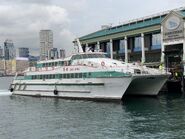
(148, 85)
(104, 88)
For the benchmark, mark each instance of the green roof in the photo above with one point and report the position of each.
(127, 27)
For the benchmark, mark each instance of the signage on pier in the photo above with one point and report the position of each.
(173, 27)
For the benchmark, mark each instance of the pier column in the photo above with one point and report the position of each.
(111, 49)
(142, 48)
(98, 46)
(126, 49)
(86, 47)
(183, 60)
(162, 46)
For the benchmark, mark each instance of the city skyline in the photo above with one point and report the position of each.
(68, 20)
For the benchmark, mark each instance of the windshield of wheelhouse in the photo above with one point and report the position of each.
(87, 56)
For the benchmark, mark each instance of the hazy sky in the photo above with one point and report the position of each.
(21, 20)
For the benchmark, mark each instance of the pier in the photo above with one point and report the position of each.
(155, 41)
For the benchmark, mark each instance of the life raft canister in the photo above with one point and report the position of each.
(102, 63)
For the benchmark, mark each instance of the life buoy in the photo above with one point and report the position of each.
(55, 92)
(102, 63)
(11, 89)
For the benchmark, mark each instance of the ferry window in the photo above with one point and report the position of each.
(90, 56)
(43, 76)
(44, 64)
(72, 75)
(40, 77)
(73, 57)
(50, 76)
(64, 75)
(50, 64)
(60, 76)
(53, 76)
(69, 63)
(61, 63)
(84, 56)
(102, 56)
(56, 63)
(66, 63)
(53, 64)
(76, 57)
(89, 74)
(76, 75)
(68, 76)
(96, 55)
(84, 75)
(80, 75)
(46, 76)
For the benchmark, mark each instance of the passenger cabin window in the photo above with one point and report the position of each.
(85, 56)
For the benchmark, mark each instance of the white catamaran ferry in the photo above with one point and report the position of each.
(88, 76)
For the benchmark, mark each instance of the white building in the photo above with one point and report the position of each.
(46, 43)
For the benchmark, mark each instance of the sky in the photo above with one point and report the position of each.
(21, 20)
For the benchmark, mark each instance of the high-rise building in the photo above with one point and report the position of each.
(9, 50)
(23, 52)
(62, 53)
(1, 52)
(46, 43)
(53, 53)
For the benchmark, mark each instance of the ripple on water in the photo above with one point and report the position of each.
(45, 118)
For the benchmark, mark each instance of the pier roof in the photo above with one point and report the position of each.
(132, 25)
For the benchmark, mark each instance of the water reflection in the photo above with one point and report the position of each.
(135, 117)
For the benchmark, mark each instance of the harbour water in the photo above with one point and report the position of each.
(136, 117)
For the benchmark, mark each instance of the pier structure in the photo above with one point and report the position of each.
(154, 40)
